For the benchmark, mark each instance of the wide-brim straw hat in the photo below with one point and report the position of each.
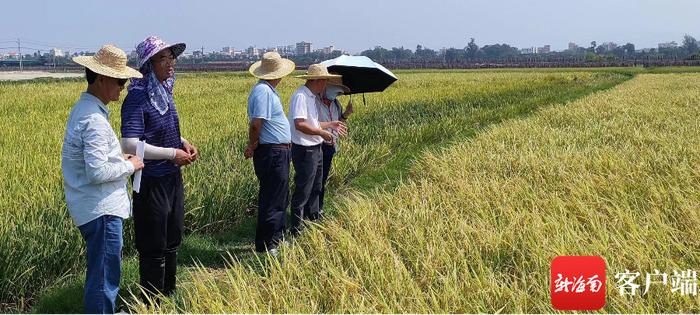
(272, 67)
(317, 72)
(109, 61)
(339, 83)
(152, 45)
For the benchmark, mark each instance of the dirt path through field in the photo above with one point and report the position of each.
(31, 75)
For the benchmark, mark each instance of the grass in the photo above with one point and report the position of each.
(478, 222)
(423, 111)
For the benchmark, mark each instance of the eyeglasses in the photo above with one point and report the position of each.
(122, 82)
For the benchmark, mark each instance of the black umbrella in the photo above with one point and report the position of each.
(360, 74)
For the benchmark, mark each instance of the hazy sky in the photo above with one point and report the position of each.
(350, 25)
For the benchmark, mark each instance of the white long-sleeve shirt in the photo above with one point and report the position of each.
(94, 170)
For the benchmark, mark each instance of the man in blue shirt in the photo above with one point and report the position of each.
(269, 145)
(95, 173)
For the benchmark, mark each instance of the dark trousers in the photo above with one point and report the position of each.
(328, 153)
(272, 169)
(308, 176)
(159, 212)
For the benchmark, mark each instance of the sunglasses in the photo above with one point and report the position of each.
(122, 82)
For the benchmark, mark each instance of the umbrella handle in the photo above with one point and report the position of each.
(364, 101)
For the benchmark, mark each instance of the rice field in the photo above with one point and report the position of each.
(452, 193)
(614, 174)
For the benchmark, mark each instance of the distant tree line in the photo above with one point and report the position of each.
(688, 50)
(305, 59)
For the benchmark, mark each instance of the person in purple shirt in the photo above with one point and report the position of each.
(149, 115)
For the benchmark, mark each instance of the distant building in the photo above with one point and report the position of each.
(303, 48)
(609, 46)
(529, 50)
(544, 49)
(282, 50)
(228, 51)
(252, 51)
(84, 53)
(573, 47)
(288, 50)
(668, 45)
(536, 50)
(55, 52)
(328, 50)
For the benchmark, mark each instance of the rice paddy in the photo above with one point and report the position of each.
(452, 193)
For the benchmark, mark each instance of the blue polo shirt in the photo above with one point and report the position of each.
(264, 102)
(141, 120)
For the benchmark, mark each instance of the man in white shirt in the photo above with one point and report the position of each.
(308, 135)
(95, 173)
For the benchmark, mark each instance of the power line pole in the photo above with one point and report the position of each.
(19, 51)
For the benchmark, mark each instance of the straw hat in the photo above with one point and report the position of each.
(339, 83)
(109, 61)
(316, 72)
(272, 67)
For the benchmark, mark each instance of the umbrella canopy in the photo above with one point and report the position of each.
(361, 74)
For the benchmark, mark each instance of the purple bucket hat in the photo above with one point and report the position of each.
(153, 45)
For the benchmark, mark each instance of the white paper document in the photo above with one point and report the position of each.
(137, 176)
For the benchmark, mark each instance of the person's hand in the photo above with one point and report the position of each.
(248, 153)
(135, 161)
(182, 158)
(191, 150)
(326, 135)
(340, 127)
(127, 156)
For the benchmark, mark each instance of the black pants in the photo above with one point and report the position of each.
(308, 168)
(272, 169)
(159, 213)
(328, 153)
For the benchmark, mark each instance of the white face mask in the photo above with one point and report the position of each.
(333, 91)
